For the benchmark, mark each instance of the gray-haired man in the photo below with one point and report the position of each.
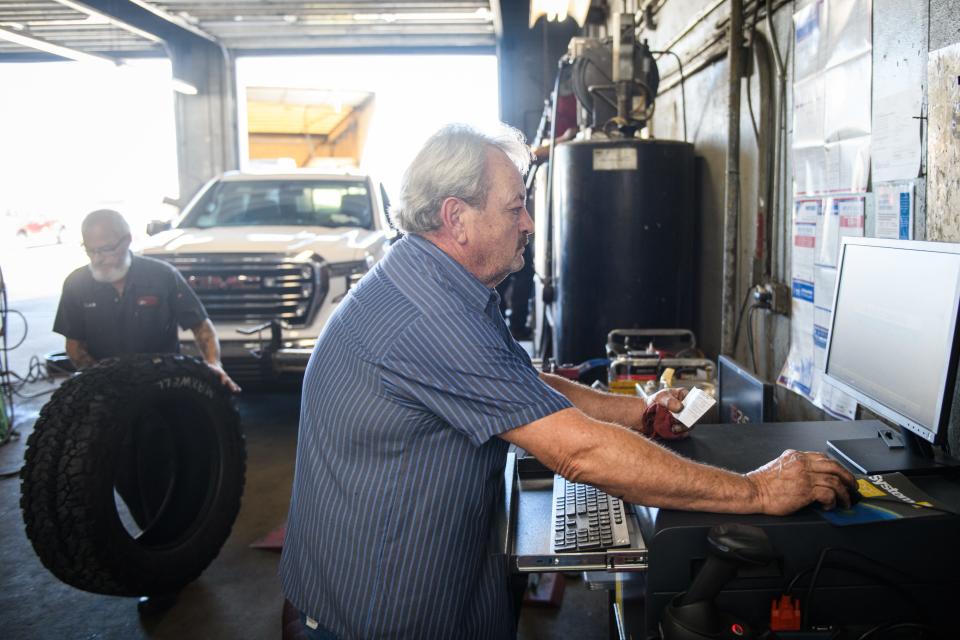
(121, 303)
(411, 397)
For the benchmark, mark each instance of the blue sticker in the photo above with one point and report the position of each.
(803, 290)
(904, 216)
(820, 336)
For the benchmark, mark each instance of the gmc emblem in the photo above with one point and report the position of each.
(221, 283)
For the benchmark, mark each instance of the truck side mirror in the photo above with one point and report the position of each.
(156, 226)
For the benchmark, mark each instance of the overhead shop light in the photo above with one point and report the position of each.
(559, 10)
(32, 42)
(182, 86)
(483, 14)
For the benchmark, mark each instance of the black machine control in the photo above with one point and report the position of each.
(693, 615)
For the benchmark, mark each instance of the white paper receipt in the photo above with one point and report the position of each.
(695, 405)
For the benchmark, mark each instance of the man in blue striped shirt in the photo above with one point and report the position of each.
(412, 395)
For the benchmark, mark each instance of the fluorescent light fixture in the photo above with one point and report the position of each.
(55, 49)
(182, 86)
(559, 10)
(406, 16)
(178, 85)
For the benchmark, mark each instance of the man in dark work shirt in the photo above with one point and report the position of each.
(121, 304)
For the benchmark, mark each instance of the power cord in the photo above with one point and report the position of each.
(37, 371)
(856, 570)
(7, 415)
(736, 329)
(683, 91)
(887, 627)
(752, 49)
(760, 304)
(6, 320)
(11, 383)
(751, 343)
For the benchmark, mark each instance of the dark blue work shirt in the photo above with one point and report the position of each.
(399, 469)
(155, 300)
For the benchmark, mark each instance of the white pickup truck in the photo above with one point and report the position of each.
(270, 256)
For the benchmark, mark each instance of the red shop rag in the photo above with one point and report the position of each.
(658, 422)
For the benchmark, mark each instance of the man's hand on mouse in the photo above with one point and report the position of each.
(798, 478)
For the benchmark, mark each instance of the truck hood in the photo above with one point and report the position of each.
(332, 244)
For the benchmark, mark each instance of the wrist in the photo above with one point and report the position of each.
(751, 495)
(630, 411)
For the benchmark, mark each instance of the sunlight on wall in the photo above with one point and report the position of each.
(77, 136)
(415, 95)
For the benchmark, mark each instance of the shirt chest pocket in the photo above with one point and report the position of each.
(151, 313)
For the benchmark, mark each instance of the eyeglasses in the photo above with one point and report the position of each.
(105, 251)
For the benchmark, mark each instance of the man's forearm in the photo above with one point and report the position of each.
(209, 346)
(207, 343)
(642, 471)
(623, 463)
(78, 354)
(599, 405)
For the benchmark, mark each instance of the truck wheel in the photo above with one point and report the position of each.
(133, 475)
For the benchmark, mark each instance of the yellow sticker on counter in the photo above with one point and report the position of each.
(867, 490)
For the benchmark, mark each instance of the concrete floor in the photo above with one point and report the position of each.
(239, 594)
(237, 597)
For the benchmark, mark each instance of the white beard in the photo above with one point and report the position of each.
(112, 274)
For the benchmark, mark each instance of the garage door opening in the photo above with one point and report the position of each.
(371, 112)
(80, 136)
(77, 137)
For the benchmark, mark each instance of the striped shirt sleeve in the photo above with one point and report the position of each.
(468, 376)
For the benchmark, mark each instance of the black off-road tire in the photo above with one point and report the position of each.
(77, 448)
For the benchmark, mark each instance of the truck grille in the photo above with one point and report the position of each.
(255, 288)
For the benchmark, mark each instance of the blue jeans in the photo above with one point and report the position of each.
(315, 634)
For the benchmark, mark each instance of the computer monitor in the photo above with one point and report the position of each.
(893, 346)
(743, 396)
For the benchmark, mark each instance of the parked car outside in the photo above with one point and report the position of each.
(41, 230)
(271, 256)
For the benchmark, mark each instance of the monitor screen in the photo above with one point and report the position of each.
(892, 340)
(743, 396)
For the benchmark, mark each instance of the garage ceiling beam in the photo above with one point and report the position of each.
(497, 18)
(94, 13)
(172, 19)
(153, 20)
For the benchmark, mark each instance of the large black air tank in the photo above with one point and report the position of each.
(625, 228)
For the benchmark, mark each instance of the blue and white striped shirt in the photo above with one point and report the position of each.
(398, 468)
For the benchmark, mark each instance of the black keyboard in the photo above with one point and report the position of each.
(585, 518)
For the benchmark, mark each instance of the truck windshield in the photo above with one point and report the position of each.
(323, 203)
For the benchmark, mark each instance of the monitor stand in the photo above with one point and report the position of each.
(891, 451)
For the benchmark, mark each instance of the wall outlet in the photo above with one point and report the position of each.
(773, 296)
(779, 295)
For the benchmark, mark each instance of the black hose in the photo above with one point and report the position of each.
(683, 91)
(548, 261)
